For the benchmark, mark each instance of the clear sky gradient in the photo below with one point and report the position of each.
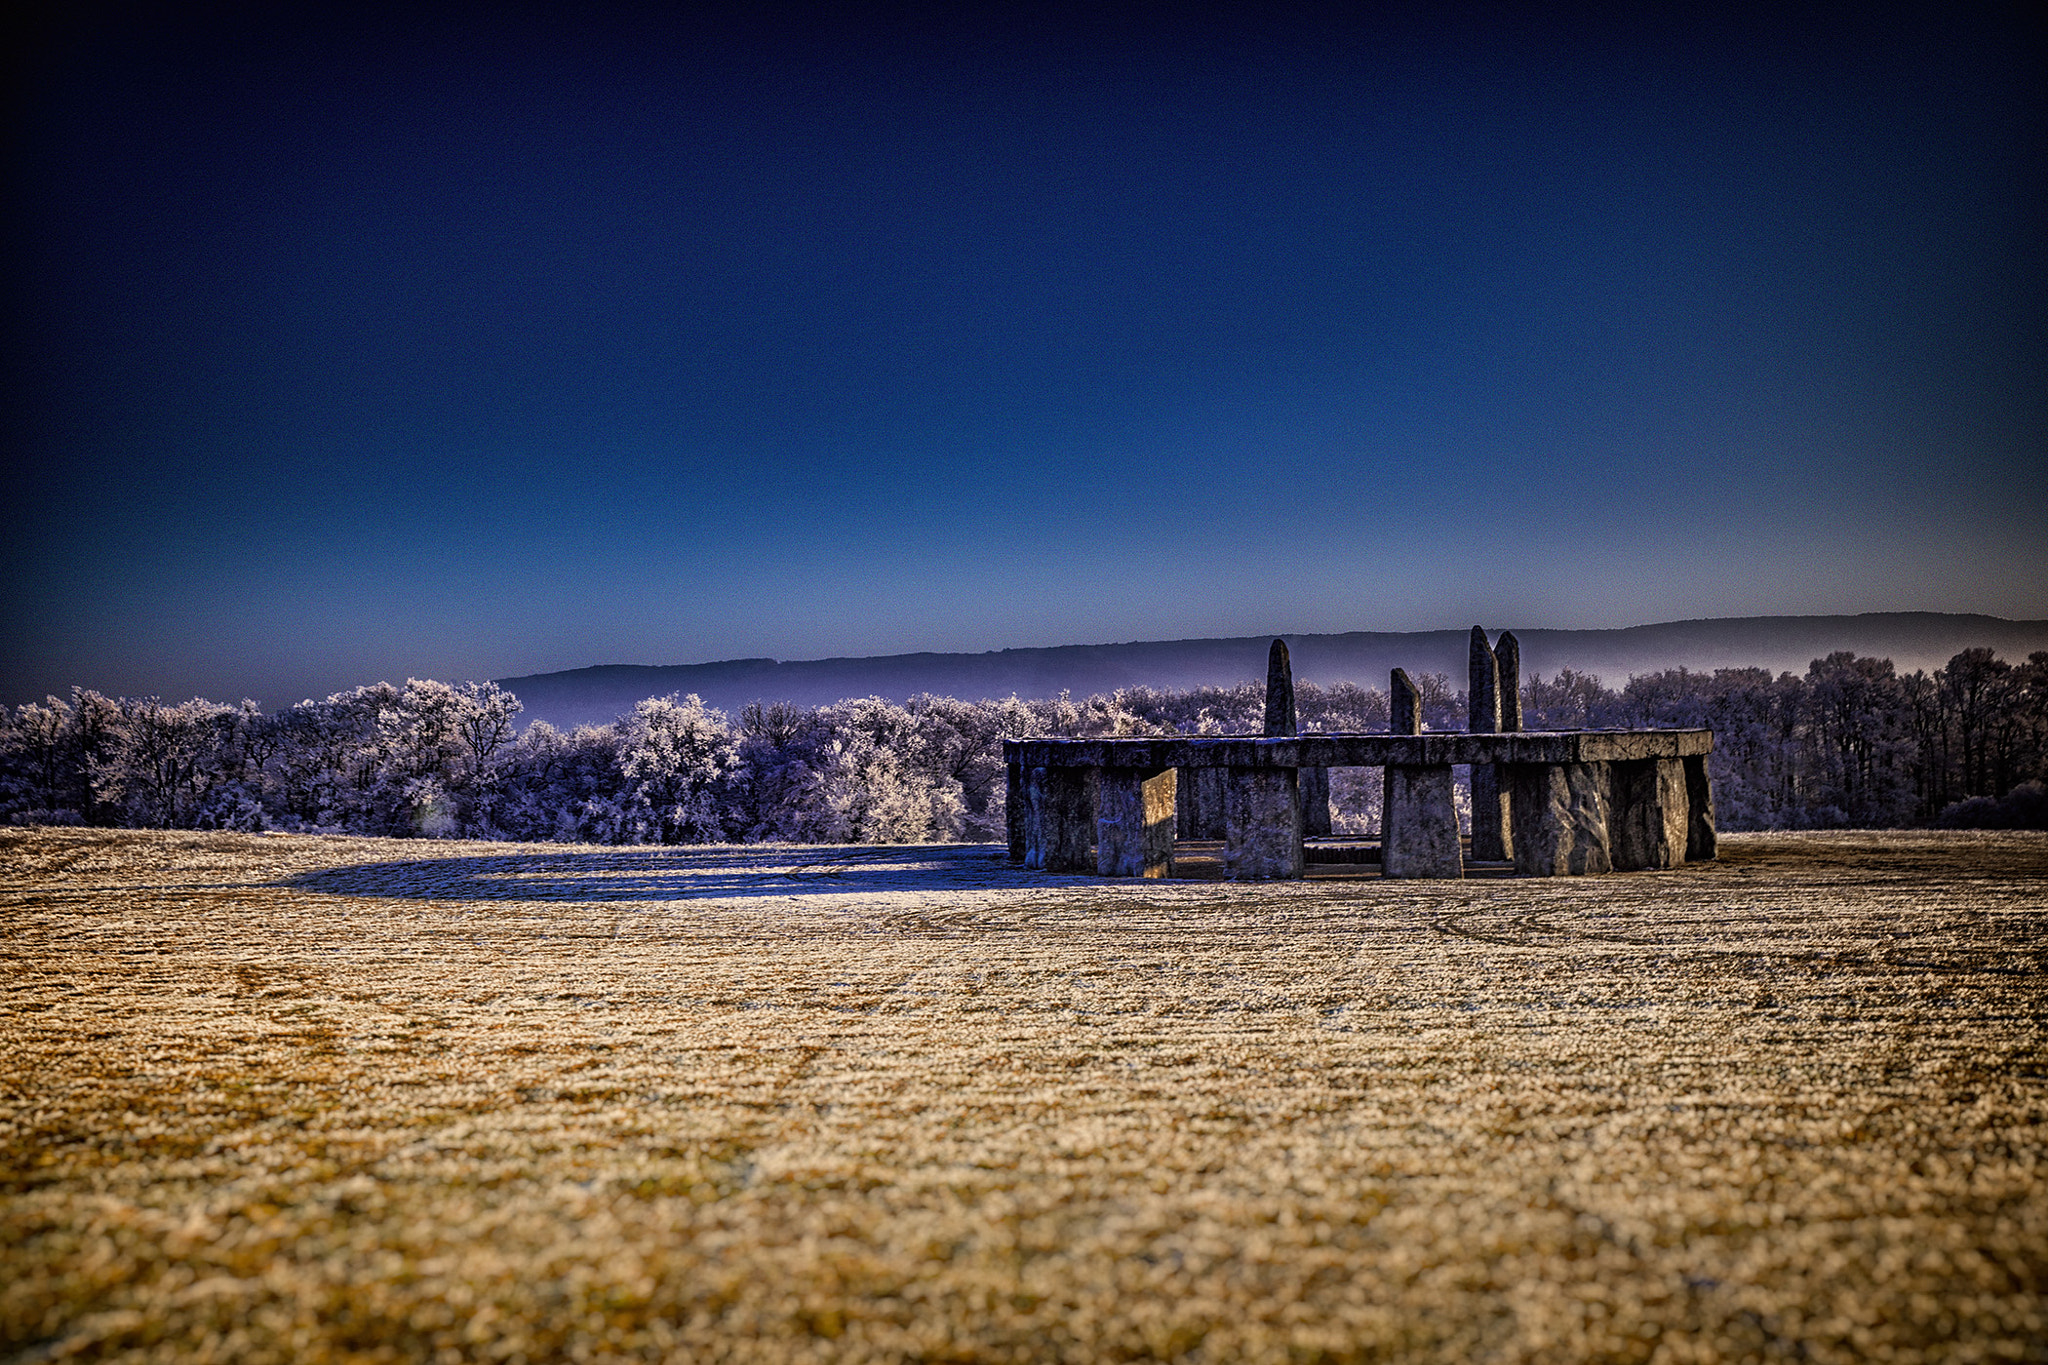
(491, 341)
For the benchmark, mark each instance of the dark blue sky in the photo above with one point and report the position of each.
(491, 342)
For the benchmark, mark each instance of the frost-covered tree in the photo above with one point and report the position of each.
(677, 759)
(39, 768)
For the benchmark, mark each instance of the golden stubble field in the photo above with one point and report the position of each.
(309, 1099)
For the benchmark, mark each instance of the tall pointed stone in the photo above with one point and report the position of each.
(1507, 657)
(1507, 660)
(1283, 720)
(1279, 692)
(1418, 821)
(1482, 696)
(1404, 705)
(1482, 710)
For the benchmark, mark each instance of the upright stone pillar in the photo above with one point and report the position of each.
(1700, 839)
(1279, 691)
(1490, 835)
(1482, 696)
(1647, 821)
(1198, 803)
(1507, 659)
(1014, 814)
(1418, 819)
(1404, 705)
(1283, 720)
(1560, 815)
(1062, 819)
(1315, 802)
(1034, 821)
(1262, 809)
(1419, 823)
(1134, 819)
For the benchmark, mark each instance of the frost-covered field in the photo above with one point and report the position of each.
(281, 1098)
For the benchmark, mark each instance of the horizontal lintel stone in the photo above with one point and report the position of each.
(1359, 750)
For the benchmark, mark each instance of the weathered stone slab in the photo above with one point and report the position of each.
(1700, 839)
(1646, 827)
(1419, 823)
(1490, 840)
(1015, 809)
(1507, 657)
(1359, 750)
(1280, 718)
(1062, 824)
(1198, 801)
(1560, 818)
(1315, 801)
(1283, 722)
(1404, 706)
(1262, 840)
(1134, 817)
(1492, 827)
(1482, 692)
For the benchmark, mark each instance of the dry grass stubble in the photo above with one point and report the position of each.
(277, 1098)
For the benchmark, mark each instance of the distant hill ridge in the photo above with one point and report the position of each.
(1912, 640)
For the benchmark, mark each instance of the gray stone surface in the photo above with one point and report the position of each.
(1279, 691)
(1419, 823)
(1359, 750)
(1490, 838)
(1061, 828)
(1507, 658)
(1198, 800)
(1646, 824)
(1560, 818)
(1700, 839)
(1404, 705)
(1282, 721)
(1263, 838)
(1016, 809)
(1134, 818)
(1315, 802)
(1482, 690)
(1492, 828)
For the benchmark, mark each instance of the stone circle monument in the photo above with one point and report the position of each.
(1552, 802)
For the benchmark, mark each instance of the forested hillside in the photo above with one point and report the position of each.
(1912, 640)
(1850, 743)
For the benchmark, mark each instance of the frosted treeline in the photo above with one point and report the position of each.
(1851, 743)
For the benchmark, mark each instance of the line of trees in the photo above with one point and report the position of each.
(1852, 743)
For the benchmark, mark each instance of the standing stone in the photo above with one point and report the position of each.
(1134, 818)
(1198, 803)
(1034, 819)
(1482, 711)
(1700, 839)
(1263, 822)
(1419, 823)
(1279, 692)
(1492, 837)
(1482, 696)
(1507, 658)
(1560, 818)
(1404, 705)
(1647, 821)
(1063, 819)
(1315, 801)
(1282, 720)
(1014, 810)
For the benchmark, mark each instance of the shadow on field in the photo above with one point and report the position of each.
(671, 874)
